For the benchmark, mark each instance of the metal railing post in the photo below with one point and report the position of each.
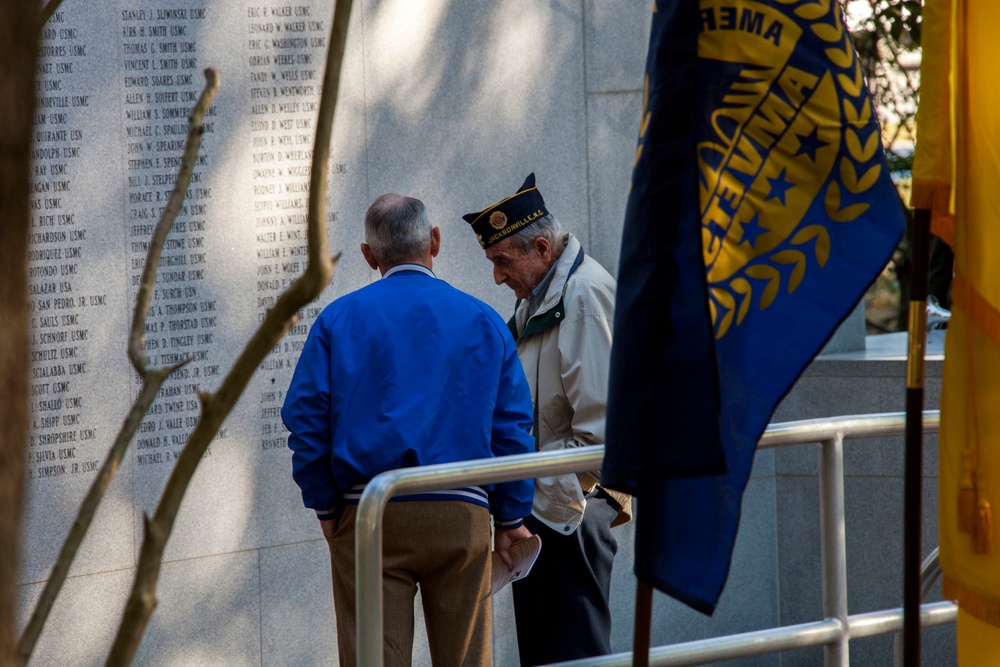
(834, 632)
(833, 547)
(368, 530)
(368, 571)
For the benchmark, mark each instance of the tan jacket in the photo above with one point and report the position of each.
(565, 349)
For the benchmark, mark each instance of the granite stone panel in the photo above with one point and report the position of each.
(208, 613)
(763, 464)
(832, 386)
(50, 509)
(116, 84)
(850, 335)
(617, 40)
(873, 501)
(80, 382)
(938, 646)
(297, 623)
(750, 599)
(459, 123)
(504, 643)
(279, 517)
(800, 591)
(237, 243)
(613, 122)
(894, 456)
(816, 396)
(874, 566)
(864, 457)
(894, 449)
(874, 529)
(273, 506)
(797, 460)
(84, 619)
(623, 584)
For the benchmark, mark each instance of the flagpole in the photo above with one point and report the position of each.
(643, 623)
(912, 541)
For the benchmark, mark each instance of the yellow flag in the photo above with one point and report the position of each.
(970, 402)
(977, 642)
(933, 160)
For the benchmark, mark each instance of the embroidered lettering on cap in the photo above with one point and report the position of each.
(493, 224)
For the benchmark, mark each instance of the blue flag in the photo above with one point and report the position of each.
(761, 209)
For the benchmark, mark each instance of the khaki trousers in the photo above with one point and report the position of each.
(444, 547)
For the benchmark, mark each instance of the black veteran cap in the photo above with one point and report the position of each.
(495, 223)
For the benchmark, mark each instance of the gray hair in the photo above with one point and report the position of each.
(546, 227)
(397, 229)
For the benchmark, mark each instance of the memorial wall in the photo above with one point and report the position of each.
(450, 101)
(116, 84)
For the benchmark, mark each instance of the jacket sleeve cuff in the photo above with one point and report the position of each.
(509, 525)
(328, 515)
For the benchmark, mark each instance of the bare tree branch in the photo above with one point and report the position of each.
(217, 406)
(49, 10)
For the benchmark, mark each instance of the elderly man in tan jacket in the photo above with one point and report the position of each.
(562, 325)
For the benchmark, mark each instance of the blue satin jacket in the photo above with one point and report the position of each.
(404, 372)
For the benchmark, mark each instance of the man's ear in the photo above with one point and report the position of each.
(435, 241)
(543, 248)
(366, 250)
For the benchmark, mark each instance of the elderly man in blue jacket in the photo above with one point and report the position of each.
(410, 371)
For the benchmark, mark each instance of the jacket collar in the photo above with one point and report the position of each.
(408, 266)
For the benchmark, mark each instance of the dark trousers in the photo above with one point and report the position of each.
(561, 608)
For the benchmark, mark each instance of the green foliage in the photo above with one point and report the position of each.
(896, 20)
(900, 162)
(887, 37)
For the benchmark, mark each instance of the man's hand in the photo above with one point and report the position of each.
(503, 539)
(329, 528)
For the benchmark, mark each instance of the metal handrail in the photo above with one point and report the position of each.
(833, 633)
(930, 572)
(774, 640)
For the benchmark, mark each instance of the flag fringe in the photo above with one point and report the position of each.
(967, 494)
(975, 513)
(975, 604)
(984, 528)
(931, 194)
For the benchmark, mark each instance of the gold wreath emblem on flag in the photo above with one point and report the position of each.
(773, 154)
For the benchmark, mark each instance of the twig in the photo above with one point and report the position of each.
(49, 10)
